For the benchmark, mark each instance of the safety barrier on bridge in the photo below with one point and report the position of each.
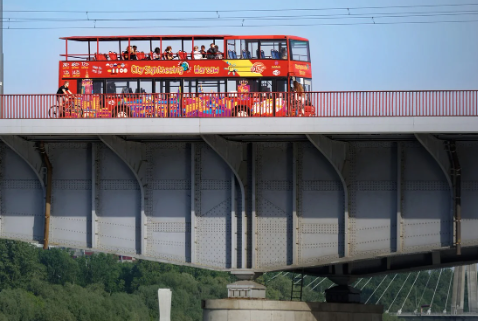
(201, 105)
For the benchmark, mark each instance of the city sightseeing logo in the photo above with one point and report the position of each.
(258, 68)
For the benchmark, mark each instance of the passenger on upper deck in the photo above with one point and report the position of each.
(197, 54)
(129, 54)
(283, 53)
(211, 52)
(203, 51)
(135, 53)
(218, 53)
(168, 53)
(156, 54)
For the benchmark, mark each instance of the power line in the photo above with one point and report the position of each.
(251, 18)
(247, 10)
(242, 26)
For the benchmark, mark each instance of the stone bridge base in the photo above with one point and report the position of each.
(267, 310)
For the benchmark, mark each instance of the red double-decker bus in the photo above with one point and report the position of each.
(167, 76)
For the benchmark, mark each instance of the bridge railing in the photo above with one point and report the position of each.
(264, 104)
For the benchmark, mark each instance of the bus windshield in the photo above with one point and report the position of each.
(299, 50)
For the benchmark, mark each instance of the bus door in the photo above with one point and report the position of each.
(273, 94)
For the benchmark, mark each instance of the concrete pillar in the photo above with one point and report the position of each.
(268, 310)
(458, 292)
(164, 298)
(472, 290)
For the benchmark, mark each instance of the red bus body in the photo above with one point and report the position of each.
(268, 69)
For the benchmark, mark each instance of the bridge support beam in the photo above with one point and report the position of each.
(31, 155)
(235, 156)
(337, 153)
(28, 152)
(444, 153)
(133, 155)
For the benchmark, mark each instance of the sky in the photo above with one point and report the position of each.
(403, 45)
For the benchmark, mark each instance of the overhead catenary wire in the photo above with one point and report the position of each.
(241, 26)
(383, 293)
(250, 10)
(367, 15)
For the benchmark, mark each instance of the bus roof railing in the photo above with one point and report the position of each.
(176, 37)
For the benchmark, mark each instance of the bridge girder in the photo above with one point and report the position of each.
(295, 198)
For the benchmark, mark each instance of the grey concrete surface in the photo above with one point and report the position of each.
(267, 310)
(278, 125)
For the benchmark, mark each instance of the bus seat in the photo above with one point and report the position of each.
(263, 56)
(275, 54)
(100, 56)
(182, 55)
(244, 54)
(248, 55)
(113, 55)
(234, 55)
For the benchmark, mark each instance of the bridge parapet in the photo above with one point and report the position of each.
(444, 103)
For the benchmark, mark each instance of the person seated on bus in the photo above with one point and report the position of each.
(203, 52)
(62, 95)
(134, 53)
(197, 54)
(129, 54)
(218, 53)
(283, 53)
(211, 52)
(156, 54)
(168, 53)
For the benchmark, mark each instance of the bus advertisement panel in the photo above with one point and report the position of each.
(177, 68)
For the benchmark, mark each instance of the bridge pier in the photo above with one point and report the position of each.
(268, 310)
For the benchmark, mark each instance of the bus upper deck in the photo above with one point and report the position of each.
(106, 59)
(229, 47)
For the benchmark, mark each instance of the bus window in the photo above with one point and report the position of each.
(274, 49)
(189, 86)
(146, 86)
(121, 86)
(305, 82)
(253, 48)
(97, 86)
(266, 86)
(160, 86)
(299, 50)
(281, 85)
(174, 86)
(207, 86)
